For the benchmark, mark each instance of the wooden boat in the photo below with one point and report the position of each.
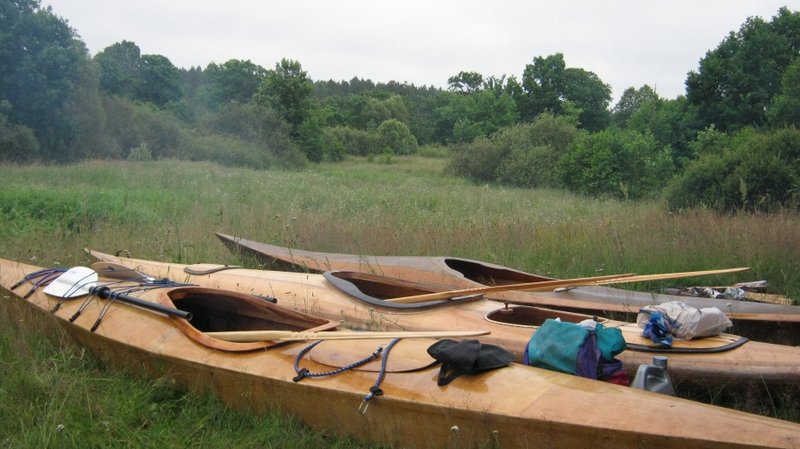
(359, 300)
(511, 407)
(455, 272)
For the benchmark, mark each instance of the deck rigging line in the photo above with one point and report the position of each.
(375, 390)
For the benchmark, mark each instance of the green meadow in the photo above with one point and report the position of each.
(53, 395)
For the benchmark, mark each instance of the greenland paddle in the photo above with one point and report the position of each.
(247, 336)
(549, 285)
(81, 281)
(506, 287)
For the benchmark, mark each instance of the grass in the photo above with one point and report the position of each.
(169, 210)
(57, 397)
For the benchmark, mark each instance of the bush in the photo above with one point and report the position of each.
(130, 124)
(477, 160)
(235, 119)
(756, 172)
(616, 163)
(141, 153)
(17, 143)
(395, 135)
(225, 150)
(524, 155)
(354, 141)
(529, 167)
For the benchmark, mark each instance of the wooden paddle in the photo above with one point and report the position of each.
(245, 336)
(506, 287)
(550, 285)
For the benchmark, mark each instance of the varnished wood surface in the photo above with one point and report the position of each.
(764, 363)
(464, 273)
(515, 407)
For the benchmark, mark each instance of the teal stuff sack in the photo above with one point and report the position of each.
(572, 348)
(555, 346)
(610, 341)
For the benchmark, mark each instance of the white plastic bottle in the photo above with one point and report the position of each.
(654, 377)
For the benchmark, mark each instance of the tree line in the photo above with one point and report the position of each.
(730, 143)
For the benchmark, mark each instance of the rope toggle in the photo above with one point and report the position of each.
(374, 391)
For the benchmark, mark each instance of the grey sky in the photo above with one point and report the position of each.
(627, 43)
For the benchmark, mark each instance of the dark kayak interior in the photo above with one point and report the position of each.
(375, 289)
(487, 274)
(220, 310)
(215, 310)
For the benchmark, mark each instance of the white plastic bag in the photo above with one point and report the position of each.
(688, 322)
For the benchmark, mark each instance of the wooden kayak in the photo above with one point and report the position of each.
(453, 272)
(726, 359)
(511, 407)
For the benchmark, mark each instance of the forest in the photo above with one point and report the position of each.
(729, 144)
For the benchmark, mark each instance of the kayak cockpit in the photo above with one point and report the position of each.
(488, 274)
(215, 310)
(526, 316)
(375, 290)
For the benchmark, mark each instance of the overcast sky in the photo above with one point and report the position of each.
(627, 43)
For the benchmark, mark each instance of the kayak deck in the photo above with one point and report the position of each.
(754, 362)
(514, 407)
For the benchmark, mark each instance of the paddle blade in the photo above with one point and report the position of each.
(74, 282)
(116, 271)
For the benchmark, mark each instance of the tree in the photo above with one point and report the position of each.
(590, 95)
(287, 90)
(547, 84)
(41, 63)
(785, 110)
(464, 117)
(542, 86)
(235, 80)
(736, 82)
(120, 65)
(159, 81)
(631, 100)
(465, 82)
(672, 123)
(127, 73)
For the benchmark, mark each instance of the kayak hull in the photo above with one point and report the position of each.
(456, 272)
(514, 407)
(751, 363)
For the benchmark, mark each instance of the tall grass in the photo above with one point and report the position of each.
(58, 397)
(169, 210)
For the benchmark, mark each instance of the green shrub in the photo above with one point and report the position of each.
(141, 153)
(523, 155)
(244, 121)
(616, 163)
(756, 172)
(226, 150)
(17, 143)
(395, 135)
(130, 124)
(355, 141)
(477, 160)
(529, 167)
